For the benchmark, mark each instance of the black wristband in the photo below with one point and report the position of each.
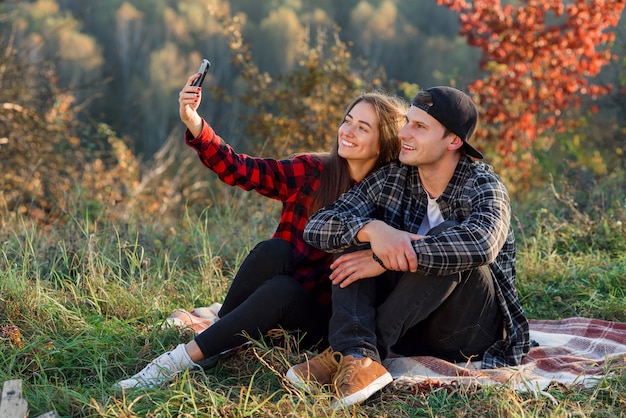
(379, 261)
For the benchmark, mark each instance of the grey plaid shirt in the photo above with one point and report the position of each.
(475, 197)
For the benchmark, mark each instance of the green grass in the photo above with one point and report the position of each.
(82, 302)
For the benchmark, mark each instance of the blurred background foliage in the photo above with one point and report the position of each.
(108, 221)
(88, 94)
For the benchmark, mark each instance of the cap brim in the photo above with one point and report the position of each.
(472, 152)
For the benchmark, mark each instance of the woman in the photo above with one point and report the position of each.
(284, 281)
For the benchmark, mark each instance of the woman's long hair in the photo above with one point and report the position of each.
(335, 177)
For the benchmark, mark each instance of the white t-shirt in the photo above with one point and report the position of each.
(433, 217)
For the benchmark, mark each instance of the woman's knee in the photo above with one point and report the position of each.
(281, 288)
(269, 258)
(274, 247)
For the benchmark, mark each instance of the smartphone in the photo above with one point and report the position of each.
(204, 68)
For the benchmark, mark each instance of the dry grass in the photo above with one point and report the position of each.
(82, 302)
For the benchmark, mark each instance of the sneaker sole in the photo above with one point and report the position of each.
(364, 393)
(297, 382)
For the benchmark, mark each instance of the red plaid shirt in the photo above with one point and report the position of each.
(292, 181)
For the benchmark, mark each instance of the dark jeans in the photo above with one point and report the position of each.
(452, 317)
(263, 296)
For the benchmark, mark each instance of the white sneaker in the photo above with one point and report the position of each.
(160, 370)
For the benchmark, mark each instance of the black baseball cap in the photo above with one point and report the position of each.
(456, 111)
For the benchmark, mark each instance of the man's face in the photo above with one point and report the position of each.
(422, 139)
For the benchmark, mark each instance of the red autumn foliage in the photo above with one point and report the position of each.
(538, 58)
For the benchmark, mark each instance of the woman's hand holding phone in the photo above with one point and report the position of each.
(189, 99)
(204, 68)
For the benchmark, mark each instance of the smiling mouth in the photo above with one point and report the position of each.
(408, 147)
(347, 144)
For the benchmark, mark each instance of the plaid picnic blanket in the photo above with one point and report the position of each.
(571, 351)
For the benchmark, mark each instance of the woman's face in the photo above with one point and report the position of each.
(358, 135)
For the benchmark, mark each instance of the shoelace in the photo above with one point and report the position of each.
(331, 359)
(344, 372)
(151, 373)
(275, 333)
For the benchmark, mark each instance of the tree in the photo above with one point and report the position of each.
(538, 58)
(297, 111)
(44, 157)
(282, 35)
(128, 29)
(44, 36)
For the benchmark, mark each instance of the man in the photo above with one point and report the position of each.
(439, 276)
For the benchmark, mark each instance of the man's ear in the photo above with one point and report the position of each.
(455, 142)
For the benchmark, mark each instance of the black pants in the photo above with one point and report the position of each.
(453, 317)
(263, 296)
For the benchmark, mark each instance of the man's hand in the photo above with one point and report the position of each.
(392, 246)
(354, 266)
